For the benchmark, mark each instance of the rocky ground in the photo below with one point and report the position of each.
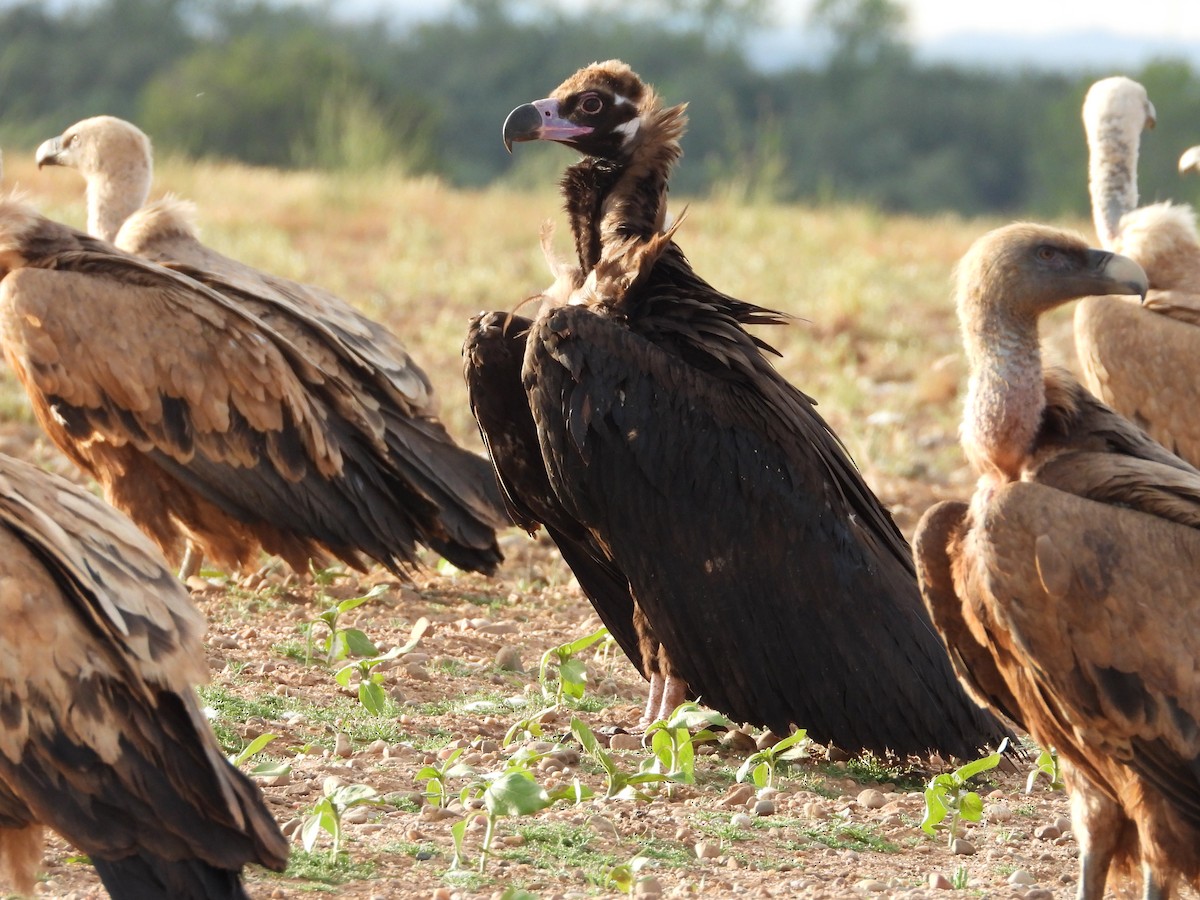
(830, 829)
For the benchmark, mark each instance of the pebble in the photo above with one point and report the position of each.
(648, 886)
(357, 815)
(870, 884)
(342, 746)
(939, 882)
(1063, 824)
(999, 812)
(603, 826)
(508, 658)
(416, 673)
(1021, 877)
(1039, 894)
(741, 820)
(1047, 832)
(376, 748)
(738, 741)
(738, 795)
(871, 799)
(441, 894)
(274, 780)
(961, 847)
(625, 742)
(707, 850)
(764, 807)
(767, 739)
(291, 826)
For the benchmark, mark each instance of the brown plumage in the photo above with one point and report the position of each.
(1140, 360)
(449, 493)
(207, 425)
(718, 520)
(104, 740)
(1065, 589)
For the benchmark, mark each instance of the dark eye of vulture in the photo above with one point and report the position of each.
(713, 519)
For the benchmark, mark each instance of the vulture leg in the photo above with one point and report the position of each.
(1097, 823)
(674, 692)
(658, 685)
(193, 558)
(1155, 888)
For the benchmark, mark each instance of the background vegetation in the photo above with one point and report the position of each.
(294, 86)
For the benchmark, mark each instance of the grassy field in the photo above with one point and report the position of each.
(875, 341)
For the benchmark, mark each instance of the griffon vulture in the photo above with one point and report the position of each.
(763, 575)
(446, 495)
(104, 740)
(206, 424)
(1140, 360)
(1066, 589)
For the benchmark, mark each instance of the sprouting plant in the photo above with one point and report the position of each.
(512, 793)
(266, 767)
(341, 643)
(948, 794)
(436, 777)
(620, 784)
(1047, 765)
(370, 682)
(529, 727)
(327, 814)
(572, 673)
(961, 879)
(624, 876)
(673, 742)
(761, 767)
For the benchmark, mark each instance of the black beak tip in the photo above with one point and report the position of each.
(523, 124)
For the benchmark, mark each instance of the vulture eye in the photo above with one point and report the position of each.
(1046, 254)
(70, 142)
(590, 104)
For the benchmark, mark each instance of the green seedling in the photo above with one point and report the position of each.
(950, 795)
(761, 767)
(961, 879)
(512, 793)
(370, 682)
(341, 643)
(674, 744)
(571, 683)
(1046, 765)
(327, 814)
(624, 877)
(528, 728)
(437, 777)
(266, 767)
(619, 784)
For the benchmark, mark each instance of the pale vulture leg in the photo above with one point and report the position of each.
(657, 685)
(674, 692)
(1155, 889)
(192, 558)
(1097, 823)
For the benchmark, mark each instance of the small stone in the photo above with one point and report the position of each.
(999, 812)
(1039, 894)
(647, 886)
(738, 741)
(376, 748)
(767, 739)
(1021, 877)
(625, 742)
(836, 754)
(603, 826)
(1063, 824)
(871, 799)
(939, 882)
(357, 815)
(284, 777)
(1046, 832)
(441, 893)
(741, 820)
(707, 850)
(416, 673)
(738, 795)
(508, 658)
(961, 847)
(764, 807)
(871, 885)
(342, 746)
(291, 826)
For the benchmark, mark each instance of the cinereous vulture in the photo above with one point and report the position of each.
(104, 740)
(717, 515)
(446, 495)
(1066, 588)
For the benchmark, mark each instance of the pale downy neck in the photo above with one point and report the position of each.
(1006, 396)
(113, 196)
(1113, 145)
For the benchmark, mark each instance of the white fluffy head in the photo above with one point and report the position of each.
(1120, 102)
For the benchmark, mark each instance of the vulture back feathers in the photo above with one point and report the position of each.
(1140, 360)
(1040, 585)
(201, 421)
(103, 739)
(774, 584)
(446, 494)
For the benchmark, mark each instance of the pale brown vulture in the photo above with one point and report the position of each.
(206, 424)
(103, 738)
(443, 495)
(1066, 589)
(1140, 360)
(706, 507)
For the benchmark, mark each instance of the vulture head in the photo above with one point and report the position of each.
(1115, 113)
(603, 110)
(115, 158)
(1190, 160)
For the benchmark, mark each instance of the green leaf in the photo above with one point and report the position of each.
(358, 644)
(458, 831)
(692, 715)
(515, 893)
(753, 760)
(348, 795)
(573, 676)
(269, 768)
(970, 807)
(342, 675)
(762, 775)
(935, 810)
(373, 698)
(255, 746)
(515, 794)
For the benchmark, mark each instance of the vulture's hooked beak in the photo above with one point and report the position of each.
(1151, 116)
(1190, 160)
(47, 153)
(540, 121)
(1121, 274)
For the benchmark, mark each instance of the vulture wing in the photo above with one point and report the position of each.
(1070, 578)
(261, 440)
(103, 738)
(750, 544)
(1142, 364)
(494, 352)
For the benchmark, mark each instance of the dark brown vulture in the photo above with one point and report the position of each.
(104, 740)
(1141, 359)
(445, 496)
(1066, 590)
(677, 462)
(207, 425)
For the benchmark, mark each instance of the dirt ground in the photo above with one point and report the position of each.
(832, 829)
